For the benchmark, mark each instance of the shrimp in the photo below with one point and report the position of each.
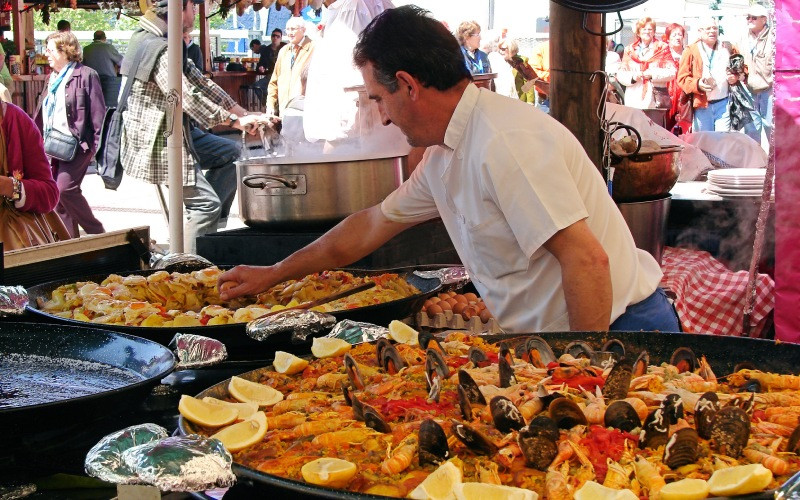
(352, 435)
(596, 409)
(778, 399)
(555, 484)
(488, 472)
(400, 458)
(774, 429)
(616, 477)
(771, 381)
(332, 381)
(791, 420)
(531, 408)
(287, 420)
(648, 476)
(638, 405)
(506, 455)
(565, 452)
(316, 427)
(777, 465)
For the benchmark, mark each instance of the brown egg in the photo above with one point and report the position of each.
(451, 293)
(434, 300)
(485, 316)
(434, 309)
(459, 307)
(469, 312)
(445, 305)
(480, 305)
(452, 302)
(471, 297)
(461, 298)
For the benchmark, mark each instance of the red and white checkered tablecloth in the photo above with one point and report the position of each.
(710, 297)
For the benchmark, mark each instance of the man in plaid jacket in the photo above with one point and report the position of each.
(207, 196)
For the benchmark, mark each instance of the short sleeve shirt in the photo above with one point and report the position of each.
(506, 179)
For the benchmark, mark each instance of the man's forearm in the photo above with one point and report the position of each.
(587, 290)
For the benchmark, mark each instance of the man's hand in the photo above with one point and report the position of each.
(248, 123)
(246, 280)
(706, 85)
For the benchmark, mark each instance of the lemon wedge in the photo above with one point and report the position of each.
(440, 484)
(330, 472)
(592, 490)
(325, 347)
(484, 491)
(253, 392)
(685, 489)
(239, 436)
(205, 414)
(288, 363)
(402, 333)
(246, 410)
(739, 480)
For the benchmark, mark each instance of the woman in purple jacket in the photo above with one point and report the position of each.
(72, 104)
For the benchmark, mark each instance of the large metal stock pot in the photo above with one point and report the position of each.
(278, 192)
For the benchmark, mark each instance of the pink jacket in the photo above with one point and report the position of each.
(25, 150)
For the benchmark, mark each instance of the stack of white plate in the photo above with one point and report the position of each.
(736, 182)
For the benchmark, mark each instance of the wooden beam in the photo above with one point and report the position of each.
(574, 55)
(17, 21)
(205, 39)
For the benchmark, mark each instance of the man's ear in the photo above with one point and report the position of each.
(408, 83)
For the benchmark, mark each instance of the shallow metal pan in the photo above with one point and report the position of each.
(723, 354)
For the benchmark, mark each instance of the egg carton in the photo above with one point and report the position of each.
(451, 321)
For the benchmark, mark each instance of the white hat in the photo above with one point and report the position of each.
(758, 11)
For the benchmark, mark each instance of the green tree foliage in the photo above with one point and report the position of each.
(87, 20)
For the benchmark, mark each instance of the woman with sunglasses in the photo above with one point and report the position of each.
(469, 37)
(646, 68)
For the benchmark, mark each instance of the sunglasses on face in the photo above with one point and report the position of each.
(753, 18)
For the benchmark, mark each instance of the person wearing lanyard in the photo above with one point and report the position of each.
(72, 103)
(527, 211)
(703, 73)
(469, 36)
(284, 84)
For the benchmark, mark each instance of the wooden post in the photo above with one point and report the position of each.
(574, 55)
(205, 39)
(19, 28)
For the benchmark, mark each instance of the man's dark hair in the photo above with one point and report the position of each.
(63, 25)
(278, 31)
(253, 43)
(99, 35)
(161, 9)
(408, 39)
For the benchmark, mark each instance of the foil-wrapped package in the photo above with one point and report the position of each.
(13, 300)
(357, 332)
(299, 322)
(180, 262)
(104, 460)
(196, 351)
(182, 463)
(453, 277)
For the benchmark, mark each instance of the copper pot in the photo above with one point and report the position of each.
(642, 177)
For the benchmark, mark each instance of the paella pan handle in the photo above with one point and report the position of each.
(257, 181)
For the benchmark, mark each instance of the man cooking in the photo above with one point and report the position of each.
(526, 209)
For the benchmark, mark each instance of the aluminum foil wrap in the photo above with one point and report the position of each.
(453, 277)
(196, 351)
(104, 460)
(182, 463)
(180, 262)
(357, 332)
(299, 322)
(13, 300)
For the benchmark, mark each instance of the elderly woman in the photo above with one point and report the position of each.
(680, 110)
(469, 36)
(509, 49)
(72, 110)
(646, 68)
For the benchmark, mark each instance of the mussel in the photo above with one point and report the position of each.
(375, 420)
(464, 404)
(673, 408)
(641, 363)
(730, 431)
(477, 356)
(683, 448)
(578, 349)
(433, 448)
(744, 365)
(566, 414)
(473, 439)
(505, 415)
(351, 399)
(540, 354)
(381, 344)
(546, 426)
(704, 411)
(621, 415)
(353, 373)
(616, 347)
(745, 403)
(751, 385)
(684, 359)
(655, 429)
(427, 340)
(505, 352)
(538, 448)
(618, 381)
(436, 371)
(390, 359)
(793, 445)
(507, 377)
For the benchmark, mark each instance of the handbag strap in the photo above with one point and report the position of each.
(122, 102)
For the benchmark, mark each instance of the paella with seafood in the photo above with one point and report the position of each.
(163, 299)
(399, 419)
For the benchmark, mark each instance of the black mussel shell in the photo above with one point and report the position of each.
(351, 399)
(436, 371)
(473, 439)
(673, 408)
(353, 373)
(507, 377)
(683, 448)
(621, 415)
(641, 363)
(477, 355)
(538, 449)
(347, 393)
(730, 431)
(427, 340)
(433, 447)
(793, 445)
(375, 420)
(603, 359)
(578, 349)
(745, 403)
(566, 414)
(390, 359)
(464, 403)
(469, 385)
(505, 415)
(546, 426)
(540, 354)
(616, 347)
(547, 397)
(752, 385)
(618, 381)
(505, 352)
(684, 360)
(704, 411)
(655, 429)
(381, 344)
(744, 365)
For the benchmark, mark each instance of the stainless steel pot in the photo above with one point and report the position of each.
(274, 194)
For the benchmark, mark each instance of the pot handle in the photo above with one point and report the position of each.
(251, 182)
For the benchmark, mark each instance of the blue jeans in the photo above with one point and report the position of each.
(209, 201)
(653, 313)
(713, 118)
(763, 101)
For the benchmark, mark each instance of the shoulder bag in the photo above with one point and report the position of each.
(60, 146)
(25, 229)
